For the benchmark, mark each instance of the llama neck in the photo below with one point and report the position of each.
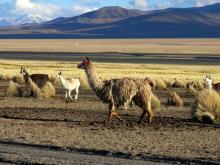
(62, 80)
(94, 81)
(26, 77)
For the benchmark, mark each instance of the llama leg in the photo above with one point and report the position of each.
(113, 113)
(69, 93)
(77, 91)
(66, 94)
(143, 114)
(149, 112)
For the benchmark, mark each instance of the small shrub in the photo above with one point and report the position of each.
(160, 84)
(174, 99)
(207, 109)
(155, 102)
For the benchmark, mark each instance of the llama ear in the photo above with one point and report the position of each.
(87, 58)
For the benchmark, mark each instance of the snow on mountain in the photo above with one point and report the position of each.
(24, 19)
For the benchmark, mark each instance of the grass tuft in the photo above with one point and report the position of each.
(174, 99)
(207, 109)
(160, 84)
(155, 102)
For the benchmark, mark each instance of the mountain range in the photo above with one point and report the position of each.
(118, 22)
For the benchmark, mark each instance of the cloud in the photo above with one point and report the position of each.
(199, 3)
(43, 10)
(140, 4)
(78, 9)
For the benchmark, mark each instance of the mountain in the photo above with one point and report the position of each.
(117, 22)
(101, 16)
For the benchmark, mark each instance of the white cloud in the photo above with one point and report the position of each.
(199, 3)
(78, 9)
(46, 11)
(140, 4)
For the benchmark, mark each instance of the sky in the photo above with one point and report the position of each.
(50, 9)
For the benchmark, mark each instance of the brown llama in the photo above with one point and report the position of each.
(39, 79)
(119, 92)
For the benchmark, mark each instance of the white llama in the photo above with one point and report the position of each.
(69, 85)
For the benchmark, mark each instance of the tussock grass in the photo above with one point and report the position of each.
(47, 91)
(160, 84)
(192, 91)
(84, 84)
(54, 80)
(6, 77)
(179, 84)
(199, 85)
(207, 109)
(155, 102)
(18, 79)
(13, 90)
(174, 99)
(168, 83)
(151, 82)
(30, 90)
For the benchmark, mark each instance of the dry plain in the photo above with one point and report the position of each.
(80, 126)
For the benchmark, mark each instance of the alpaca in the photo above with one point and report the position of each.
(210, 85)
(119, 92)
(39, 79)
(69, 85)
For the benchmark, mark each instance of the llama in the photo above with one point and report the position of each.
(119, 92)
(39, 79)
(69, 85)
(210, 85)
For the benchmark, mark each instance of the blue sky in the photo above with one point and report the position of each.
(50, 9)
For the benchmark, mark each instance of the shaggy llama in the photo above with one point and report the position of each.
(119, 92)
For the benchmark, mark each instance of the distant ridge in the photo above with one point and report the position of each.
(118, 22)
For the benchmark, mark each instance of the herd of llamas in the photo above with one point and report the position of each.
(122, 92)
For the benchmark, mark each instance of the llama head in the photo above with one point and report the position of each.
(23, 71)
(208, 81)
(84, 64)
(59, 74)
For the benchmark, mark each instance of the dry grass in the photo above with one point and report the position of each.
(168, 83)
(18, 79)
(160, 84)
(174, 99)
(54, 80)
(207, 109)
(155, 103)
(179, 84)
(173, 46)
(13, 89)
(84, 84)
(151, 82)
(31, 90)
(48, 90)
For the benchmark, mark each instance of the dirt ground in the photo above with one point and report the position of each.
(81, 125)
